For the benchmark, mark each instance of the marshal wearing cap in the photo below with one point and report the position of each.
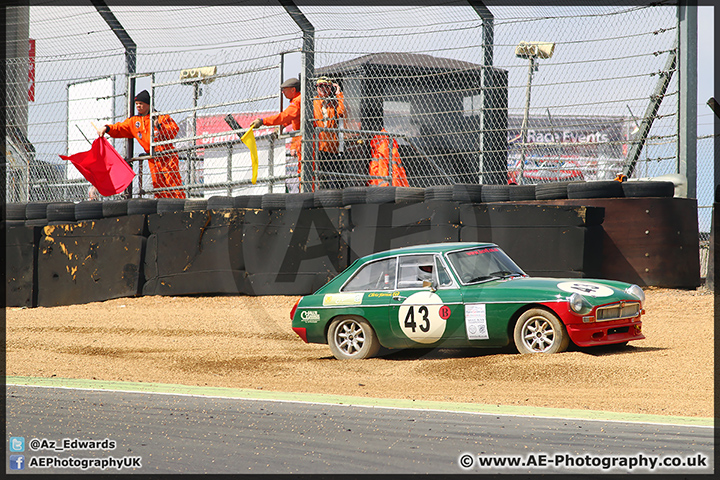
(291, 82)
(143, 96)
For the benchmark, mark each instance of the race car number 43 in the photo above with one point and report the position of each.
(421, 319)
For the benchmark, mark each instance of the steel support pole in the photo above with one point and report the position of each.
(307, 91)
(130, 63)
(523, 132)
(650, 112)
(687, 102)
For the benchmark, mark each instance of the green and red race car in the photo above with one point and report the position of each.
(453, 295)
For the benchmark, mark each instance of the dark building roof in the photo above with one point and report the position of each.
(393, 59)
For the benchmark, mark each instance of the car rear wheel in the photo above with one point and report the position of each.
(539, 331)
(352, 338)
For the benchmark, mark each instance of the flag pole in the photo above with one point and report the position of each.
(83, 133)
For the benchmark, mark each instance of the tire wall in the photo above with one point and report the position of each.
(294, 251)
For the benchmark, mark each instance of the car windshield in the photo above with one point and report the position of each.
(483, 264)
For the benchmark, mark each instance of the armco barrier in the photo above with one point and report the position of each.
(91, 261)
(378, 227)
(544, 240)
(244, 251)
(194, 252)
(648, 241)
(293, 251)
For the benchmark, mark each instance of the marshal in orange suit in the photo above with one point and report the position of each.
(164, 169)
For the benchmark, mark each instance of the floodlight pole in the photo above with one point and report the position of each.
(531, 68)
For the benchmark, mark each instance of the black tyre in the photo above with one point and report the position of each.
(36, 210)
(467, 193)
(13, 223)
(89, 210)
(36, 222)
(142, 206)
(170, 205)
(354, 195)
(274, 200)
(552, 191)
(352, 338)
(114, 208)
(219, 202)
(439, 192)
(521, 192)
(195, 204)
(642, 189)
(328, 198)
(15, 211)
(248, 201)
(495, 193)
(409, 195)
(63, 212)
(300, 200)
(380, 195)
(540, 331)
(599, 189)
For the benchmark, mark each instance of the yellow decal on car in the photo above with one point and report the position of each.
(342, 299)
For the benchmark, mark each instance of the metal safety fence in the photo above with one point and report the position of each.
(470, 92)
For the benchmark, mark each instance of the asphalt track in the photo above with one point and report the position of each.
(180, 429)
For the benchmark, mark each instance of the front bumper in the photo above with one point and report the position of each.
(605, 333)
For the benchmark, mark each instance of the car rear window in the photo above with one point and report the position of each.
(379, 275)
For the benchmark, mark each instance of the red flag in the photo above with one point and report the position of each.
(103, 166)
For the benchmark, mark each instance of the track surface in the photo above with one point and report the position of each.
(174, 433)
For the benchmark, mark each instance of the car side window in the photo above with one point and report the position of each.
(414, 270)
(378, 275)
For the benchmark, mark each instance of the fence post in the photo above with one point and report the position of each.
(308, 72)
(687, 102)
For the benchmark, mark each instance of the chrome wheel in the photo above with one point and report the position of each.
(352, 338)
(539, 331)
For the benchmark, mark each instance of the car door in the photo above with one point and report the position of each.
(426, 307)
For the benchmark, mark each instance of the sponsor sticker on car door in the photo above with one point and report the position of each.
(476, 321)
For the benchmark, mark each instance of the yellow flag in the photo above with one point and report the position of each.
(248, 139)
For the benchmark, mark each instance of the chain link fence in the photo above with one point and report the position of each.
(470, 94)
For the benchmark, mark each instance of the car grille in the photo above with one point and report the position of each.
(617, 311)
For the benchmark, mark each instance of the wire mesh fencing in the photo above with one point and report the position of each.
(431, 94)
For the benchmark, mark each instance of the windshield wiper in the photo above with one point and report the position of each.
(500, 274)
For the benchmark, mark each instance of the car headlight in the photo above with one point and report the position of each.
(577, 302)
(636, 291)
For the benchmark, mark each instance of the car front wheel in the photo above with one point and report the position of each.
(539, 331)
(352, 338)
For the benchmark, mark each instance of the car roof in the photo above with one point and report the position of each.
(427, 248)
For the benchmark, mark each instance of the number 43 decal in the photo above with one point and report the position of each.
(421, 319)
(410, 319)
